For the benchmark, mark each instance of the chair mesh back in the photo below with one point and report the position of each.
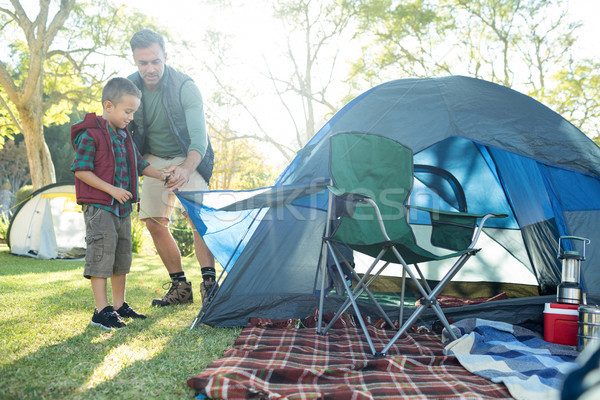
(380, 168)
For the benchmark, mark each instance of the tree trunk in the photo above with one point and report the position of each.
(41, 167)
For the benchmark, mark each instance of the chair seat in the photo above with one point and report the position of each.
(412, 255)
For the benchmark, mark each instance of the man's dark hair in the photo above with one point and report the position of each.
(146, 38)
(116, 88)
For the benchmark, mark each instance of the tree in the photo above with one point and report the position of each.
(316, 28)
(58, 138)
(13, 164)
(303, 82)
(23, 83)
(576, 96)
(238, 165)
(57, 60)
(524, 44)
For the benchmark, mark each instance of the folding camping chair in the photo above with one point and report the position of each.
(371, 181)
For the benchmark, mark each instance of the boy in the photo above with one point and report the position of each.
(106, 166)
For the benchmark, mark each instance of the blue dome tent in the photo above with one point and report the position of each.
(506, 152)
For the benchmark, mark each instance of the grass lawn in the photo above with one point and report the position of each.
(49, 350)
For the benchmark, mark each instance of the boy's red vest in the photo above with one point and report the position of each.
(104, 161)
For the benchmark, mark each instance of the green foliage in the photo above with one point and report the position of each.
(13, 163)
(141, 242)
(58, 139)
(182, 232)
(23, 193)
(525, 45)
(62, 67)
(4, 222)
(75, 78)
(239, 165)
(577, 96)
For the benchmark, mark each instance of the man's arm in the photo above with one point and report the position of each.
(191, 99)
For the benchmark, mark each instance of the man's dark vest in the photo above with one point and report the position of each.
(172, 82)
(104, 161)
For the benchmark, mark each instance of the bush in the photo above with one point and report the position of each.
(23, 193)
(4, 221)
(141, 242)
(183, 234)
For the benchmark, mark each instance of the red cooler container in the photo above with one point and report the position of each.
(561, 323)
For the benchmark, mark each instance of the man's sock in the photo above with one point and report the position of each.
(178, 276)
(208, 273)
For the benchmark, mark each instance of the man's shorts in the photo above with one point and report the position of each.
(108, 240)
(156, 201)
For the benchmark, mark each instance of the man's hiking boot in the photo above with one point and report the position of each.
(208, 288)
(107, 318)
(127, 312)
(180, 292)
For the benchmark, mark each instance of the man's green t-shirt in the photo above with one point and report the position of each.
(159, 139)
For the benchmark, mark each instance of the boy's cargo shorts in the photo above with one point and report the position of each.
(108, 239)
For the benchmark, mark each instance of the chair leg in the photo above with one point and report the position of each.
(324, 273)
(425, 283)
(354, 305)
(360, 287)
(409, 322)
(401, 315)
(430, 299)
(363, 287)
(438, 310)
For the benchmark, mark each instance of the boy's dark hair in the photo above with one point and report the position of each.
(116, 88)
(146, 38)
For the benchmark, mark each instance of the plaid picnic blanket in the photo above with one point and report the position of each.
(286, 360)
(530, 367)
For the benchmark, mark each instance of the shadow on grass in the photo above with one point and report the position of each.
(11, 264)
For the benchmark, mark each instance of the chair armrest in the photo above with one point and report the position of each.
(457, 213)
(456, 230)
(348, 196)
(344, 203)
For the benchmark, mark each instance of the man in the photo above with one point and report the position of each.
(170, 131)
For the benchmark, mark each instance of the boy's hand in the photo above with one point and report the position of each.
(121, 195)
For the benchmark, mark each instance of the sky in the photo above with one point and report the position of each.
(255, 29)
(588, 12)
(254, 37)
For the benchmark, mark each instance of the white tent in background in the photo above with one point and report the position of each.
(49, 224)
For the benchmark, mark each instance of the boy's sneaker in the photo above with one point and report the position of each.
(180, 292)
(208, 288)
(107, 318)
(127, 312)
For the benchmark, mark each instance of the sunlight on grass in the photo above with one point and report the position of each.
(119, 358)
(49, 350)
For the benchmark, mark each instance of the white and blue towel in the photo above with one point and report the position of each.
(530, 367)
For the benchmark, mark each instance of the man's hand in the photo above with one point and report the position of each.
(177, 178)
(180, 175)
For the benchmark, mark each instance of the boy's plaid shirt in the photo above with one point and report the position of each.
(84, 161)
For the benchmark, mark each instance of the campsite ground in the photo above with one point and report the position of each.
(49, 350)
